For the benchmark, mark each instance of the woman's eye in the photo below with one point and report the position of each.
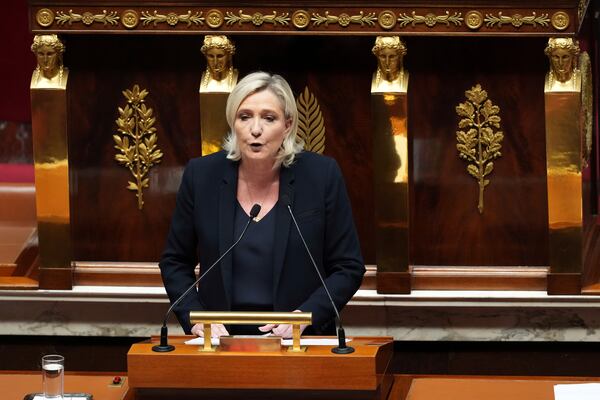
(270, 118)
(243, 117)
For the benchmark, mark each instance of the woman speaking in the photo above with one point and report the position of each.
(269, 270)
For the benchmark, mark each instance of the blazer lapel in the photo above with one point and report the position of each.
(282, 227)
(227, 199)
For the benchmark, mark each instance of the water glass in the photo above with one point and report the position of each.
(53, 375)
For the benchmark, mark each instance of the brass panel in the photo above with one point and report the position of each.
(213, 125)
(50, 152)
(389, 116)
(563, 160)
(565, 155)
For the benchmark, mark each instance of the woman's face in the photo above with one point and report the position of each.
(562, 64)
(260, 126)
(47, 60)
(389, 61)
(218, 62)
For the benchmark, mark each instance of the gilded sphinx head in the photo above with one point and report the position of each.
(218, 50)
(563, 54)
(48, 50)
(390, 52)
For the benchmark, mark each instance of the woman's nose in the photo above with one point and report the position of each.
(256, 129)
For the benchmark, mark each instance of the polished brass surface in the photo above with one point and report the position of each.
(48, 92)
(248, 318)
(387, 19)
(516, 20)
(560, 20)
(587, 104)
(257, 18)
(300, 19)
(391, 161)
(250, 343)
(219, 76)
(430, 19)
(214, 18)
(390, 76)
(172, 18)
(565, 156)
(474, 19)
(311, 125)
(44, 17)
(213, 125)
(136, 123)
(87, 18)
(478, 144)
(130, 19)
(344, 19)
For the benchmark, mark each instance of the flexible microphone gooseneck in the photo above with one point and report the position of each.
(164, 345)
(341, 334)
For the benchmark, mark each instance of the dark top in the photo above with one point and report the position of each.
(253, 263)
(202, 229)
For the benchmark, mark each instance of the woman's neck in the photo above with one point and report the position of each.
(258, 173)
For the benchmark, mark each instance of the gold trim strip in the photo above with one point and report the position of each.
(301, 19)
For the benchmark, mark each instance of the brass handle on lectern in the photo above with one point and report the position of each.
(249, 318)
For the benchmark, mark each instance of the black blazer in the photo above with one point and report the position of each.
(202, 229)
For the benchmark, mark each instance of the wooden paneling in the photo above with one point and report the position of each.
(446, 228)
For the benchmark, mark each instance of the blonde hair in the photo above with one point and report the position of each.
(254, 83)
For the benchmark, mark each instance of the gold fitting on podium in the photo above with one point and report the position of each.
(206, 318)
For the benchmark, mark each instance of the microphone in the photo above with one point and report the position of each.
(164, 345)
(341, 334)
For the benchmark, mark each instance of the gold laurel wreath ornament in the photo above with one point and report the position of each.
(478, 144)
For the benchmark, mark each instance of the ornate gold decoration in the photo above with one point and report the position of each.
(300, 19)
(172, 19)
(87, 18)
(344, 19)
(581, 8)
(214, 18)
(474, 19)
(516, 20)
(560, 20)
(44, 17)
(430, 19)
(587, 101)
(136, 122)
(387, 19)
(130, 19)
(257, 18)
(311, 127)
(479, 144)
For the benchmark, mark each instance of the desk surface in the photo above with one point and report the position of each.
(15, 385)
(498, 388)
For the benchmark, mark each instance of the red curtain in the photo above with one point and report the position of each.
(16, 62)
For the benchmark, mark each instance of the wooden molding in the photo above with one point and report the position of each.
(478, 278)
(564, 283)
(393, 282)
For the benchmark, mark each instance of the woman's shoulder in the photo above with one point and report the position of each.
(217, 159)
(310, 160)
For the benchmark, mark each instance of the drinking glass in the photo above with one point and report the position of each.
(53, 374)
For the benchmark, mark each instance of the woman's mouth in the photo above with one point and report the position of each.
(256, 146)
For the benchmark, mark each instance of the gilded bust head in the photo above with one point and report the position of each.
(218, 50)
(390, 51)
(563, 55)
(48, 50)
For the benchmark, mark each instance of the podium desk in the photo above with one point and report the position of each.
(360, 375)
(15, 385)
(488, 388)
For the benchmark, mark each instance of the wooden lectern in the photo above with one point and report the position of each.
(317, 372)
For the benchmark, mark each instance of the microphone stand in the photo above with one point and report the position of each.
(342, 347)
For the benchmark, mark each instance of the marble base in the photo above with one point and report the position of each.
(420, 316)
